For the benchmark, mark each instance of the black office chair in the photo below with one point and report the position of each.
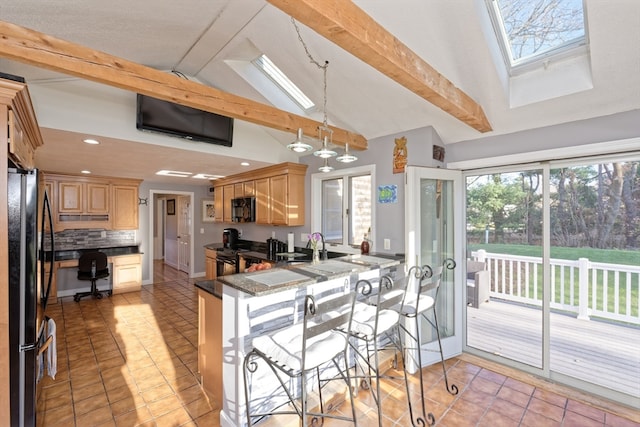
(92, 266)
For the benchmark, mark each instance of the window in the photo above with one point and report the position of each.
(280, 79)
(342, 205)
(533, 31)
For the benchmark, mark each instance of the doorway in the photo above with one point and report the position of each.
(171, 230)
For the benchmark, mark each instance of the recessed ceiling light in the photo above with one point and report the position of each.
(244, 164)
(91, 141)
(85, 171)
(174, 173)
(206, 176)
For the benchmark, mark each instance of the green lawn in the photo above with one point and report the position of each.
(612, 256)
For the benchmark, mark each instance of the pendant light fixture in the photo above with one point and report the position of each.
(325, 168)
(298, 145)
(325, 152)
(346, 157)
(325, 133)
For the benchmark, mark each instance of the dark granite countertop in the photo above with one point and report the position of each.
(296, 275)
(67, 254)
(213, 287)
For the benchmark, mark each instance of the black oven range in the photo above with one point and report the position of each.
(227, 261)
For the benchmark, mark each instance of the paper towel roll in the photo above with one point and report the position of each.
(290, 243)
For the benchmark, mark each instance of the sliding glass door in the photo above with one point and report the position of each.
(553, 272)
(504, 263)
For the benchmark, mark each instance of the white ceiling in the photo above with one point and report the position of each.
(196, 37)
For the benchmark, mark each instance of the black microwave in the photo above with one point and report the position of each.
(243, 209)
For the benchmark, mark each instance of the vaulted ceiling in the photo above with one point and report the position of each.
(373, 63)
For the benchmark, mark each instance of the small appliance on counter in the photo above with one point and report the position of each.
(274, 247)
(230, 237)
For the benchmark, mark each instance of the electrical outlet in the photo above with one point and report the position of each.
(387, 244)
(202, 231)
(240, 232)
(304, 237)
(103, 234)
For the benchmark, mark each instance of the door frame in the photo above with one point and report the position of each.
(451, 346)
(152, 218)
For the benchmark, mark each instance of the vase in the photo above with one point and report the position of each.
(316, 256)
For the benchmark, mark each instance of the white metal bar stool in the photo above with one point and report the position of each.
(421, 300)
(304, 348)
(374, 328)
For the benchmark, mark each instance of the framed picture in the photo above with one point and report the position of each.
(208, 211)
(171, 207)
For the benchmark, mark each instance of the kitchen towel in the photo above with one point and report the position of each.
(290, 243)
(52, 353)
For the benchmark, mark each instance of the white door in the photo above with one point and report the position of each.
(183, 209)
(434, 217)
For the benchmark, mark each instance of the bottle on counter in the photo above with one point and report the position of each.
(364, 246)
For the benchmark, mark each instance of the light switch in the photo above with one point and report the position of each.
(387, 244)
(202, 231)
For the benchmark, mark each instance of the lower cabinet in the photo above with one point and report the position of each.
(210, 264)
(210, 344)
(127, 273)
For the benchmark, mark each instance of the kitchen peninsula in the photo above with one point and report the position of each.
(236, 308)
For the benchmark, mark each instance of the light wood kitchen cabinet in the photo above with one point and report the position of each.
(278, 189)
(249, 188)
(228, 194)
(210, 344)
(238, 190)
(218, 203)
(127, 273)
(278, 195)
(263, 212)
(125, 207)
(83, 198)
(93, 202)
(210, 264)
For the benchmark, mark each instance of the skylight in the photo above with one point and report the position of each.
(537, 30)
(265, 65)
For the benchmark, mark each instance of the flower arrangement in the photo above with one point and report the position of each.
(314, 239)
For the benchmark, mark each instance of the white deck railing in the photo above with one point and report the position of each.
(583, 287)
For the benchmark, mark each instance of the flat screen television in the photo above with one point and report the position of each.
(178, 120)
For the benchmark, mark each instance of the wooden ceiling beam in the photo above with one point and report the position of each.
(348, 26)
(41, 50)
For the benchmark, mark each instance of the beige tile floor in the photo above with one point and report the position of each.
(131, 360)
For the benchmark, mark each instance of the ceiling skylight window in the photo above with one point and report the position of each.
(265, 65)
(537, 30)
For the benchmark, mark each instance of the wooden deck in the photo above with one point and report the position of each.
(601, 353)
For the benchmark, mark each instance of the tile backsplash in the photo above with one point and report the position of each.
(90, 238)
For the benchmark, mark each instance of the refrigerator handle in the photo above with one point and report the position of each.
(47, 216)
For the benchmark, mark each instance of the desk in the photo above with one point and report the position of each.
(125, 275)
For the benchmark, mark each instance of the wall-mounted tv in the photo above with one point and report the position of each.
(178, 120)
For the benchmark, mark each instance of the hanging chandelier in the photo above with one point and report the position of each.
(325, 133)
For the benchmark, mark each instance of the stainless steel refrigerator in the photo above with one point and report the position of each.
(28, 216)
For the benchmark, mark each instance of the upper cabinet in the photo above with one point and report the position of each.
(125, 206)
(93, 202)
(278, 189)
(19, 119)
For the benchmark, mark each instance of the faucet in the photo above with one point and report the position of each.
(323, 253)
